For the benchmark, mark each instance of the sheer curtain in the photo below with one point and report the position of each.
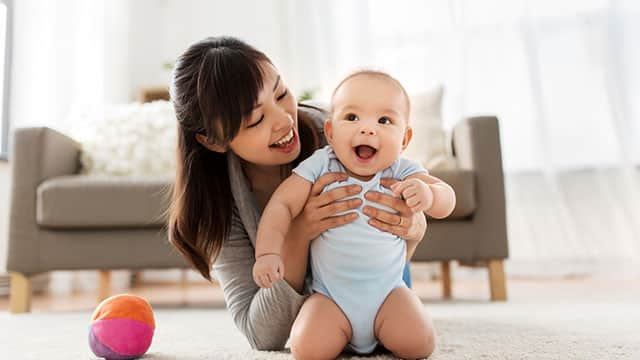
(68, 56)
(63, 51)
(561, 76)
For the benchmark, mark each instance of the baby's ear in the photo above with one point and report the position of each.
(408, 134)
(328, 131)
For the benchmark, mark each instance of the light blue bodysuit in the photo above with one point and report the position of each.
(357, 265)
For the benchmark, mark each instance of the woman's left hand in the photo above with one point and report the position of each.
(406, 224)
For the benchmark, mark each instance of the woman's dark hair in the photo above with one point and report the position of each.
(215, 84)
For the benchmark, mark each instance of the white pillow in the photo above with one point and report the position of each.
(429, 143)
(129, 140)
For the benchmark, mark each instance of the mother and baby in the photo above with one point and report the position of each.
(307, 218)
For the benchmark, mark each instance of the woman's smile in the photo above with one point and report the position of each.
(287, 143)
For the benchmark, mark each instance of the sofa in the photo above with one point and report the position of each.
(63, 220)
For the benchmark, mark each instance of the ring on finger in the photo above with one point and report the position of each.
(401, 221)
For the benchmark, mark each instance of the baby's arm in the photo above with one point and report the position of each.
(423, 192)
(285, 204)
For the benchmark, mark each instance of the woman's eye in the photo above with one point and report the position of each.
(384, 120)
(351, 117)
(257, 122)
(286, 91)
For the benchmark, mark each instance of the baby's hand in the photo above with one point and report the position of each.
(268, 269)
(416, 193)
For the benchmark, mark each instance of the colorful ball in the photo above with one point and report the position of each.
(122, 327)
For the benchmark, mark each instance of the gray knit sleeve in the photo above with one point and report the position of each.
(264, 316)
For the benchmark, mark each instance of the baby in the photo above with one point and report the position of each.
(355, 265)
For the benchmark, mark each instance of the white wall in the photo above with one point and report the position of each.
(162, 30)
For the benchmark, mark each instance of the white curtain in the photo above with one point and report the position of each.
(561, 76)
(69, 56)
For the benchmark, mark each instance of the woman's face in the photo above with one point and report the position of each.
(269, 135)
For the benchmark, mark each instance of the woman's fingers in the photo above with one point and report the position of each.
(381, 215)
(338, 207)
(388, 182)
(325, 180)
(389, 201)
(335, 221)
(400, 231)
(337, 194)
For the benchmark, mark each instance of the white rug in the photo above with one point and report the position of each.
(465, 330)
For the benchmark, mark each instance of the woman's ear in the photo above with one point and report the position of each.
(213, 147)
(327, 131)
(408, 134)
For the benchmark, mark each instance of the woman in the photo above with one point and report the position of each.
(236, 118)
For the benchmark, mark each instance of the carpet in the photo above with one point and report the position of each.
(465, 330)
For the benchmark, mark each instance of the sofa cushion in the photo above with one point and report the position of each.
(463, 183)
(89, 201)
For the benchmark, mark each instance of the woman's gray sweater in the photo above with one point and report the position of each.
(264, 316)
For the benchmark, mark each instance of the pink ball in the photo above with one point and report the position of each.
(122, 327)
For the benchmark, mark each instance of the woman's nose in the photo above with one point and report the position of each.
(284, 121)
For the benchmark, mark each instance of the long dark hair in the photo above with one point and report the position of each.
(215, 84)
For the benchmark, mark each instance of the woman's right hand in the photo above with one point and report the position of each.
(319, 213)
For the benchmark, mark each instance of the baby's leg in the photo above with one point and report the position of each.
(403, 327)
(321, 330)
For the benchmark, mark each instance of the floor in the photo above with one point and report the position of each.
(571, 318)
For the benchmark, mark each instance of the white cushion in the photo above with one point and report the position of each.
(129, 140)
(429, 144)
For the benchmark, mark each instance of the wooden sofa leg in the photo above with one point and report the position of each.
(20, 301)
(497, 280)
(104, 287)
(446, 279)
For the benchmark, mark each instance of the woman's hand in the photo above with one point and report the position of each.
(319, 213)
(406, 224)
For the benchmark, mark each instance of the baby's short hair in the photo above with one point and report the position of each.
(373, 73)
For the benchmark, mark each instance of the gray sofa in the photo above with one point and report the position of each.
(61, 220)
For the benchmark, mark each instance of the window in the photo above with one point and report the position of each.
(5, 63)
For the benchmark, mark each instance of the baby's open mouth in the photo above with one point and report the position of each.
(365, 151)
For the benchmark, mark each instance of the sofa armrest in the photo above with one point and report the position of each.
(476, 146)
(38, 153)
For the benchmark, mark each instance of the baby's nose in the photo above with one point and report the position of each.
(367, 132)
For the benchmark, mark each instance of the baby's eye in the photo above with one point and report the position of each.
(351, 117)
(384, 120)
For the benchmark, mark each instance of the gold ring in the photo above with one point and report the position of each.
(401, 220)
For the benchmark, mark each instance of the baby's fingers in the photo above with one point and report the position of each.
(280, 272)
(266, 280)
(259, 280)
(409, 191)
(399, 187)
(412, 201)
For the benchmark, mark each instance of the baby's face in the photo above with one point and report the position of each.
(368, 128)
